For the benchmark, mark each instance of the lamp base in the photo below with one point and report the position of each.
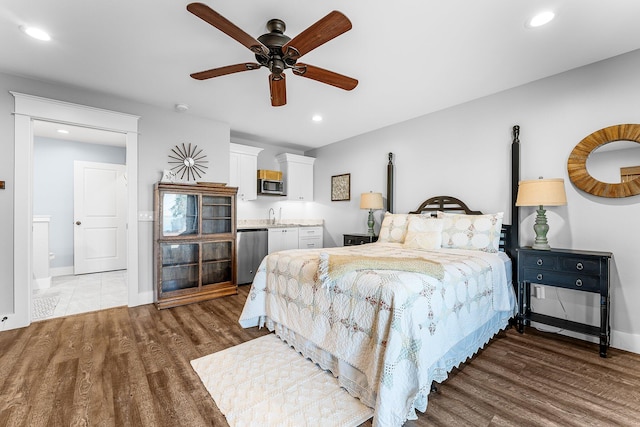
(541, 228)
(541, 247)
(370, 224)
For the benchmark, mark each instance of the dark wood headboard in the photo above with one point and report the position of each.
(444, 204)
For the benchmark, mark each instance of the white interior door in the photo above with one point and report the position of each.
(99, 205)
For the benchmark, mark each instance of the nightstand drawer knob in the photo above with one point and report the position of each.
(539, 262)
(579, 282)
(539, 276)
(579, 266)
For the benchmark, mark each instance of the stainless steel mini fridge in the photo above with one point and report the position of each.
(252, 248)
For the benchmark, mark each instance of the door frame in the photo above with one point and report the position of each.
(27, 109)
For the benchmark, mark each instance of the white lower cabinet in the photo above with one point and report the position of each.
(310, 237)
(282, 238)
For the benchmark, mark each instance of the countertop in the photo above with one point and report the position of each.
(244, 224)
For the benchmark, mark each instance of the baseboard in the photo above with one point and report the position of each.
(61, 271)
(625, 341)
(145, 298)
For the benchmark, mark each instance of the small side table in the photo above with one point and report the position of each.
(358, 239)
(586, 271)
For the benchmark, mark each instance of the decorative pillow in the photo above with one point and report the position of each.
(424, 233)
(393, 228)
(477, 232)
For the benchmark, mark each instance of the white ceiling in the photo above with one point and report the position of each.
(411, 57)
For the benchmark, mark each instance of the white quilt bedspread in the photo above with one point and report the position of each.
(402, 330)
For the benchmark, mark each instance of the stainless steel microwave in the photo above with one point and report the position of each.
(270, 187)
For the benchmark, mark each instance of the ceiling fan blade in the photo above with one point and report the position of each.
(278, 89)
(209, 15)
(327, 28)
(325, 76)
(229, 69)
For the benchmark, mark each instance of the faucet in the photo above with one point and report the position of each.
(271, 211)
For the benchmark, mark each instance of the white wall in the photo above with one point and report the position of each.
(160, 129)
(464, 152)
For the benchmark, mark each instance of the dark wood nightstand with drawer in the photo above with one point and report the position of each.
(586, 271)
(358, 239)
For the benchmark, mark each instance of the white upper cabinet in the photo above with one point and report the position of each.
(298, 176)
(243, 170)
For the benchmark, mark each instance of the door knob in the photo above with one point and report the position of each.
(78, 223)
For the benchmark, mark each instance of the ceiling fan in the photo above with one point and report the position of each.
(277, 52)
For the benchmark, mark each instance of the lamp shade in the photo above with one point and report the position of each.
(371, 201)
(541, 192)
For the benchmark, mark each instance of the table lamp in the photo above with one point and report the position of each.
(371, 201)
(541, 192)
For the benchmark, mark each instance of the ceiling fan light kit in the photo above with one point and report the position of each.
(278, 52)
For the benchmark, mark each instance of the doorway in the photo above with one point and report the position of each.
(27, 109)
(85, 211)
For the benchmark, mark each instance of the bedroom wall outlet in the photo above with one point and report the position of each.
(538, 292)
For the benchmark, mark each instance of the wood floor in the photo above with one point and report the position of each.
(130, 367)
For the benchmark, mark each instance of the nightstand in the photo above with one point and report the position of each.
(358, 239)
(586, 271)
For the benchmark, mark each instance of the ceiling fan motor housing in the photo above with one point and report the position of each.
(274, 40)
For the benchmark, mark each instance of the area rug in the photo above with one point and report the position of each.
(44, 307)
(264, 382)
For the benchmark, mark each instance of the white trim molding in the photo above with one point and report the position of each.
(27, 109)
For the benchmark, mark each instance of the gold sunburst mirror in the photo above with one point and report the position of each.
(188, 161)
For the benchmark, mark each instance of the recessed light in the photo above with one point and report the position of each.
(317, 118)
(63, 131)
(541, 19)
(36, 33)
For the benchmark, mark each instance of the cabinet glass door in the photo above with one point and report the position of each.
(216, 262)
(179, 214)
(216, 214)
(180, 265)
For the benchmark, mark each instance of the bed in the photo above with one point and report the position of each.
(391, 318)
(386, 326)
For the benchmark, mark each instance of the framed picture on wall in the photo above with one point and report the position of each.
(341, 187)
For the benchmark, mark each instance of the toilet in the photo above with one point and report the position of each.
(41, 255)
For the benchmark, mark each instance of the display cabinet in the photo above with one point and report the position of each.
(194, 243)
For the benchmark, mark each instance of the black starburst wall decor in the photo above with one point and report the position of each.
(188, 161)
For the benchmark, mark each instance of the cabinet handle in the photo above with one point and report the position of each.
(579, 282)
(579, 266)
(362, 242)
(539, 276)
(539, 262)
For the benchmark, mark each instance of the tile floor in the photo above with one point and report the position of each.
(83, 293)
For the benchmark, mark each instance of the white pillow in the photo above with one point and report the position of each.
(477, 232)
(393, 228)
(424, 233)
